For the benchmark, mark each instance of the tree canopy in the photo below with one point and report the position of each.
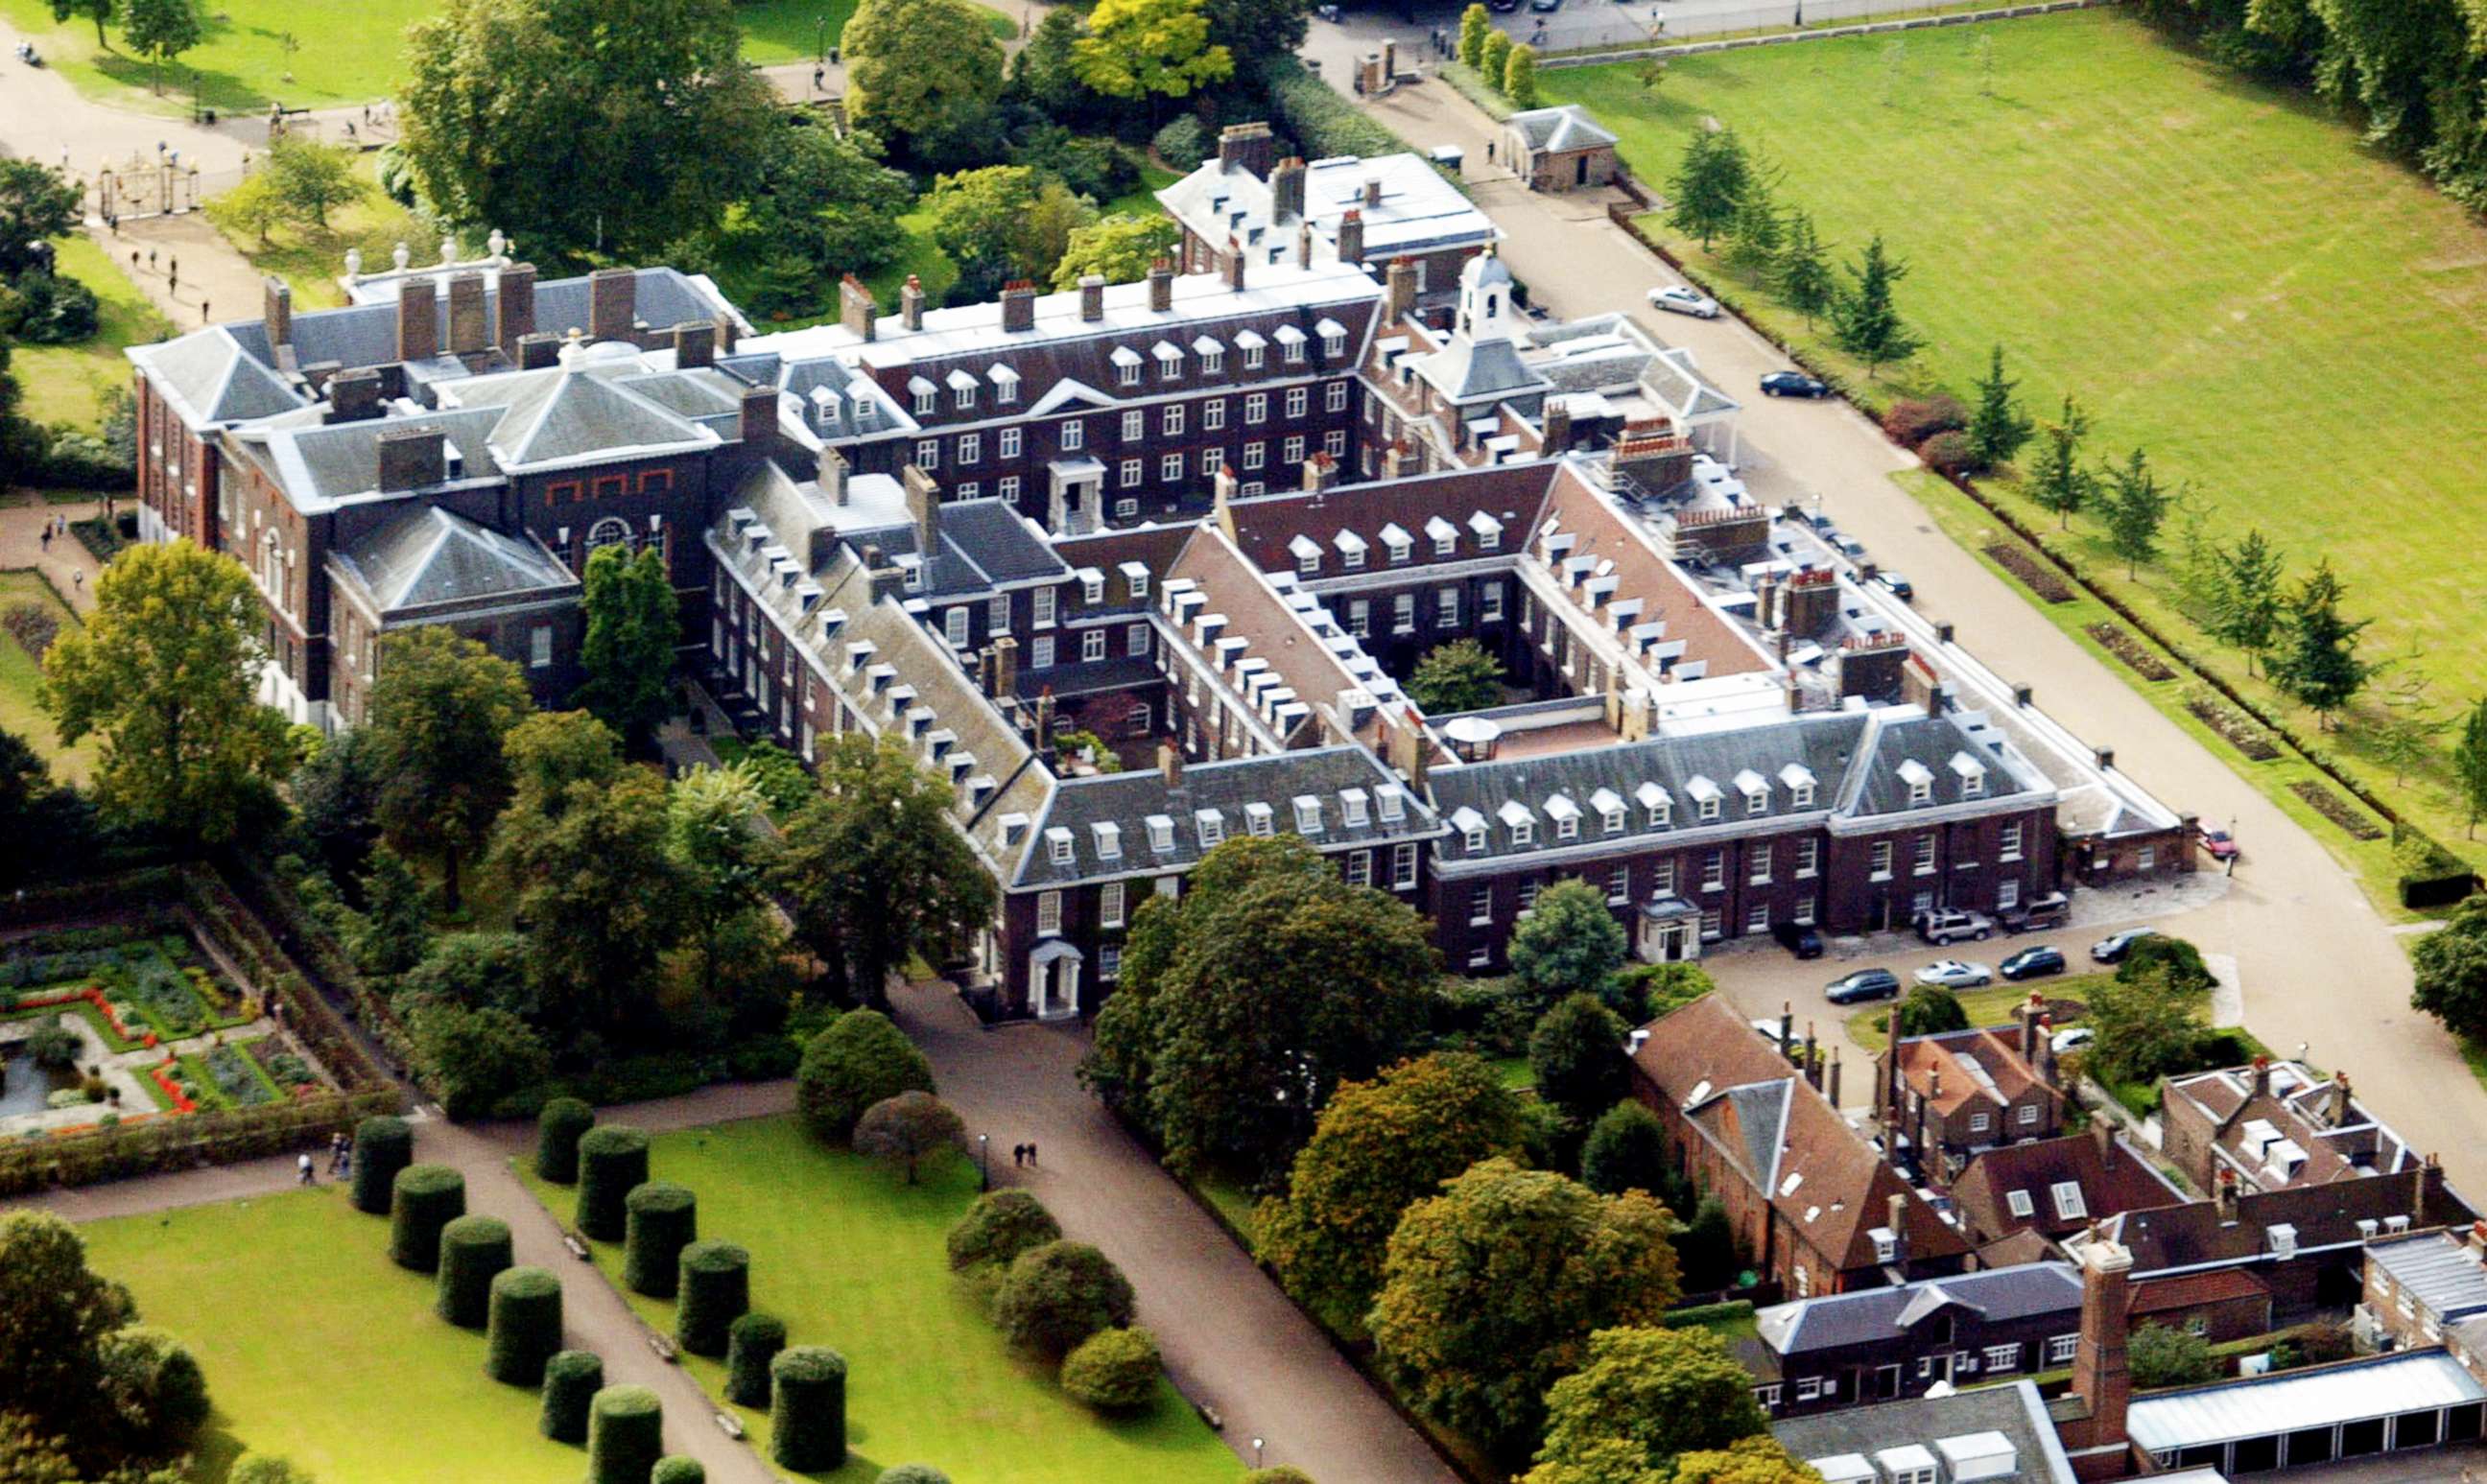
(599, 892)
(1864, 321)
(2451, 964)
(2317, 662)
(440, 711)
(1144, 48)
(37, 204)
(1570, 944)
(1117, 248)
(1458, 676)
(924, 75)
(1656, 1393)
(633, 624)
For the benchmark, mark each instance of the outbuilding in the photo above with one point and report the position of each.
(1561, 149)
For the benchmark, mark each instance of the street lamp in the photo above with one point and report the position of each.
(1256, 1452)
(820, 40)
(984, 1161)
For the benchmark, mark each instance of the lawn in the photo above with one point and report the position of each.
(312, 258)
(67, 383)
(2205, 262)
(851, 1257)
(1993, 1005)
(316, 1346)
(20, 675)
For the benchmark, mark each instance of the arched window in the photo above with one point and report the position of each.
(612, 530)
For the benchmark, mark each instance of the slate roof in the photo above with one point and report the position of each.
(1466, 369)
(1614, 547)
(1855, 1433)
(986, 545)
(1509, 495)
(1558, 129)
(2437, 1270)
(319, 464)
(1874, 1315)
(210, 377)
(1278, 633)
(425, 556)
(1981, 1193)
(562, 416)
(2296, 1109)
(2181, 1235)
(1420, 210)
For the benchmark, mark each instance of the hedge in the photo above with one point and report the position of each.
(1701, 1316)
(913, 1474)
(474, 1250)
(807, 1414)
(752, 1342)
(1113, 1370)
(525, 1326)
(571, 1378)
(715, 1291)
(428, 1197)
(663, 1220)
(1322, 124)
(612, 1162)
(558, 1130)
(999, 1226)
(625, 1436)
(383, 1147)
(679, 1470)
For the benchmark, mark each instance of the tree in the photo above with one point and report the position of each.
(1756, 236)
(825, 201)
(37, 203)
(633, 626)
(336, 794)
(1863, 321)
(2165, 957)
(1806, 279)
(56, 1317)
(1245, 1003)
(1494, 56)
(1707, 1248)
(528, 112)
(2165, 1355)
(1056, 1295)
(2405, 734)
(1928, 1010)
(2246, 614)
(999, 1226)
(1578, 1053)
(860, 1060)
(1148, 48)
(394, 931)
(1709, 182)
(2146, 1026)
(1379, 1147)
(1571, 943)
(267, 1468)
(253, 207)
(1520, 76)
(1117, 248)
(309, 178)
(33, 807)
(2061, 481)
(712, 831)
(2318, 664)
(474, 1061)
(97, 11)
(1004, 221)
(2470, 765)
(161, 30)
(928, 68)
(1659, 1393)
(1760, 1459)
(1998, 428)
(906, 1130)
(1459, 676)
(166, 669)
(873, 870)
(548, 751)
(1474, 23)
(1492, 1288)
(2134, 507)
(601, 899)
(440, 710)
(153, 1385)
(2451, 965)
(1257, 32)
(1626, 1151)
(1114, 1370)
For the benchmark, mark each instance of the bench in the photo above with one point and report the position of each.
(577, 1248)
(663, 1347)
(728, 1425)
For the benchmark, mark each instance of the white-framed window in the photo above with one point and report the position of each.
(1256, 407)
(1255, 455)
(1295, 344)
(1039, 656)
(1334, 397)
(2070, 1204)
(1212, 360)
(1923, 848)
(1714, 871)
(2007, 894)
(1042, 612)
(1300, 401)
(1255, 354)
(1135, 641)
(1979, 1122)
(1618, 885)
(1170, 468)
(1128, 476)
(1259, 818)
(1110, 905)
(1359, 868)
(1662, 879)
(1009, 442)
(1808, 859)
(1048, 913)
(967, 489)
(2008, 841)
(927, 454)
(1006, 386)
(1768, 1396)
(1877, 860)
(1809, 1390)
(924, 395)
(1335, 443)
(1804, 911)
(1709, 806)
(1480, 907)
(1008, 490)
(1757, 863)
(1170, 422)
(2017, 1202)
(1136, 426)
(1489, 603)
(1212, 416)
(1092, 645)
(1125, 510)
(954, 626)
(2003, 1358)
(1359, 618)
(2027, 1115)
(1757, 918)
(1403, 866)
(1446, 607)
(1403, 613)
(1074, 435)
(2062, 1348)
(972, 447)
(964, 397)
(2146, 858)
(1109, 961)
(1294, 452)
(1127, 369)
(1528, 891)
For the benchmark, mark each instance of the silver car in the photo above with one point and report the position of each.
(1956, 975)
(1684, 301)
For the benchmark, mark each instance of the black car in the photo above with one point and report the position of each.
(1793, 384)
(2051, 910)
(1798, 938)
(1865, 984)
(2032, 963)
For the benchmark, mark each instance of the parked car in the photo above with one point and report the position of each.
(2113, 948)
(1865, 984)
(1849, 547)
(1768, 1029)
(2032, 963)
(1956, 975)
(2071, 1040)
(1951, 924)
(2036, 916)
(1793, 384)
(2219, 843)
(1684, 301)
(1544, 7)
(1896, 586)
(1798, 938)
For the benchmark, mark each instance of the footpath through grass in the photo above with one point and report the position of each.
(2220, 270)
(852, 1257)
(20, 675)
(67, 383)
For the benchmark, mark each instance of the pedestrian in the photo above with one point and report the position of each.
(302, 1169)
(151, 260)
(47, 537)
(77, 581)
(133, 259)
(1031, 1154)
(819, 79)
(1488, 152)
(203, 311)
(1019, 1154)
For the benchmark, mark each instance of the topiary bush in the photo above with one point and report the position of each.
(153, 1386)
(1113, 1370)
(807, 1413)
(559, 1128)
(474, 1250)
(382, 1146)
(571, 1378)
(998, 1227)
(1913, 420)
(752, 1342)
(625, 1436)
(1182, 144)
(913, 1474)
(715, 1291)
(860, 1059)
(427, 1198)
(663, 1220)
(612, 1162)
(524, 1328)
(679, 1470)
(1058, 1294)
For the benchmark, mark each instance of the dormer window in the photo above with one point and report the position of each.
(1308, 555)
(1475, 838)
(1161, 834)
(962, 389)
(1308, 815)
(1393, 803)
(1756, 791)
(1521, 824)
(924, 392)
(1259, 818)
(1135, 577)
(1057, 845)
(1169, 361)
(1353, 806)
(1333, 338)
(1212, 360)
(1800, 785)
(1126, 366)
(1400, 542)
(1351, 550)
(1292, 341)
(1919, 779)
(1972, 774)
(1566, 816)
(1705, 797)
(1611, 810)
(1109, 841)
(1445, 536)
(1092, 585)
(1657, 805)
(1005, 384)
(1255, 350)
(1211, 826)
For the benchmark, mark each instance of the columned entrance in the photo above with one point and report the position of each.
(1053, 981)
(1670, 932)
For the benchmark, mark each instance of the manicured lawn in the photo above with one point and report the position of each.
(1993, 1005)
(315, 1345)
(20, 675)
(312, 258)
(2220, 270)
(851, 1257)
(775, 31)
(67, 383)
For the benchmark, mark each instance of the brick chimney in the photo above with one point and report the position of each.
(1787, 1027)
(1287, 191)
(1394, 461)
(2226, 1196)
(1895, 1215)
(1162, 287)
(694, 344)
(855, 309)
(470, 326)
(1556, 439)
(1398, 289)
(1170, 764)
(1304, 244)
(1231, 264)
(2100, 1376)
(2103, 1134)
(882, 579)
(513, 307)
(412, 457)
(1092, 298)
(2261, 1077)
(757, 428)
(1223, 487)
(1004, 668)
(2428, 1194)
(612, 303)
(2047, 1050)
(1833, 1089)
(1246, 146)
(276, 309)
(1321, 472)
(354, 395)
(923, 510)
(910, 303)
(2032, 1011)
(1373, 193)
(418, 322)
(1019, 307)
(2340, 1109)
(538, 349)
(1350, 236)
(830, 474)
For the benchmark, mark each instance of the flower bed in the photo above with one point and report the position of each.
(2033, 573)
(238, 1078)
(2331, 806)
(2125, 647)
(99, 1011)
(161, 1075)
(2237, 729)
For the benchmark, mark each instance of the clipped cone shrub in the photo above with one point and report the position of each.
(807, 1414)
(571, 1379)
(679, 1470)
(751, 1343)
(612, 1162)
(715, 1291)
(625, 1436)
(525, 1326)
(428, 1197)
(382, 1146)
(558, 1130)
(474, 1249)
(661, 1218)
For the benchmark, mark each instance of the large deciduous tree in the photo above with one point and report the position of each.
(712, 824)
(1117, 248)
(1149, 49)
(56, 1317)
(601, 900)
(924, 75)
(1571, 943)
(825, 201)
(607, 126)
(1576, 1054)
(1458, 676)
(440, 713)
(1657, 1392)
(309, 178)
(1004, 222)
(161, 30)
(634, 623)
(167, 671)
(37, 203)
(2451, 964)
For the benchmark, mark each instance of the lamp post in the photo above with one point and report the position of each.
(1256, 1452)
(984, 1161)
(820, 40)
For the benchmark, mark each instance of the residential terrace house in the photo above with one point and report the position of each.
(2274, 1125)
(1878, 1344)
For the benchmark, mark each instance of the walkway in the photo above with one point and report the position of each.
(63, 559)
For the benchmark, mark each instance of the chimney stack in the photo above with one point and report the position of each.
(353, 395)
(1162, 287)
(830, 472)
(1246, 146)
(2047, 1050)
(1557, 437)
(1304, 244)
(470, 327)
(2032, 1011)
(1231, 264)
(1221, 499)
(1812, 1062)
(1019, 307)
(2341, 1114)
(1835, 1076)
(855, 309)
(884, 580)
(1787, 1030)
(1398, 289)
(1004, 668)
(1321, 472)
(1895, 1215)
(513, 307)
(2428, 1195)
(924, 509)
(2261, 1075)
(2100, 1376)
(757, 428)
(2103, 1132)
(1092, 298)
(1170, 764)
(276, 307)
(418, 323)
(694, 344)
(1287, 191)
(412, 457)
(612, 303)
(1350, 236)
(2226, 1196)
(1373, 193)
(910, 303)
(538, 349)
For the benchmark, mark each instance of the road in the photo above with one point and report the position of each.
(2316, 962)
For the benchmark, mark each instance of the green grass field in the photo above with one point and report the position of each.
(67, 383)
(311, 259)
(2220, 270)
(20, 675)
(1993, 1005)
(851, 1257)
(316, 1346)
